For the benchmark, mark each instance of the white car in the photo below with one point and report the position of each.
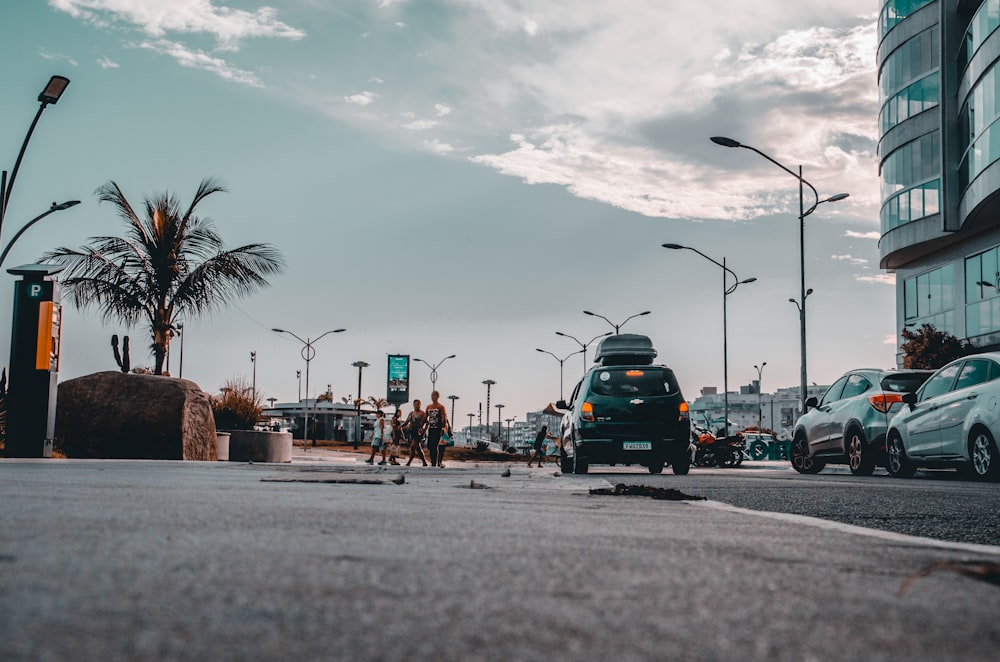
(953, 420)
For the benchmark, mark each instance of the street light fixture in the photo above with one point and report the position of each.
(561, 362)
(308, 353)
(727, 289)
(583, 346)
(620, 324)
(729, 142)
(50, 95)
(434, 374)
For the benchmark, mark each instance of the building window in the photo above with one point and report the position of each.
(915, 98)
(911, 182)
(913, 60)
(982, 293)
(980, 132)
(983, 24)
(930, 299)
(894, 11)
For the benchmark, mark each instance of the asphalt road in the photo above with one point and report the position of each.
(935, 504)
(114, 560)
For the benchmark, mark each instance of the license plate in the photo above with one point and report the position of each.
(637, 445)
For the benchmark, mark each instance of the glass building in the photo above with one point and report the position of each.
(939, 163)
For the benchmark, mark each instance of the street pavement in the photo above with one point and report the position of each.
(331, 559)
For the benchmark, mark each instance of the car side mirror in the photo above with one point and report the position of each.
(811, 402)
(561, 404)
(910, 399)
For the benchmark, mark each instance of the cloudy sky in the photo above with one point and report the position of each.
(467, 176)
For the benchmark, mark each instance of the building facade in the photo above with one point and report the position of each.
(776, 411)
(939, 163)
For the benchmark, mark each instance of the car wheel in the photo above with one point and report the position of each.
(801, 460)
(655, 467)
(897, 464)
(680, 462)
(985, 463)
(580, 465)
(859, 456)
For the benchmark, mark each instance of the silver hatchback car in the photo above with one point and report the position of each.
(953, 420)
(848, 425)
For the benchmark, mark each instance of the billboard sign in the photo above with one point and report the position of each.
(398, 380)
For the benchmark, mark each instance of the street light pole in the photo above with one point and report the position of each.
(434, 374)
(451, 421)
(803, 212)
(727, 289)
(583, 346)
(468, 433)
(50, 95)
(298, 375)
(253, 388)
(760, 402)
(307, 353)
(180, 331)
(489, 383)
(620, 324)
(360, 365)
(500, 425)
(51, 210)
(561, 362)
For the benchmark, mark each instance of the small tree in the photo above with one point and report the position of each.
(928, 348)
(237, 408)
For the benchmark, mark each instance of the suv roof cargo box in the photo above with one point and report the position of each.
(624, 349)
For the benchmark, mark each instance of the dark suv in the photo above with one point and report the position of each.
(626, 410)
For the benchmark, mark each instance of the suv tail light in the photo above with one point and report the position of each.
(682, 412)
(883, 402)
(587, 412)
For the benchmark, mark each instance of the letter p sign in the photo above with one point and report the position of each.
(35, 290)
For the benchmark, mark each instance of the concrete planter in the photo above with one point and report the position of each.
(222, 446)
(254, 446)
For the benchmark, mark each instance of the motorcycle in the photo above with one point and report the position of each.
(712, 451)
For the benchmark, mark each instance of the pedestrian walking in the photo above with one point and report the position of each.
(538, 449)
(414, 425)
(437, 421)
(378, 438)
(396, 436)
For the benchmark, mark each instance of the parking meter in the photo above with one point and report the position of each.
(36, 335)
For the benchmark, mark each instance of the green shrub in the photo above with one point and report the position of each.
(236, 407)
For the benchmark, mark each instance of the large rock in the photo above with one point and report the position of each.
(118, 415)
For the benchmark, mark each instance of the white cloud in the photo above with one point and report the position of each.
(400, 25)
(442, 109)
(881, 279)
(373, 79)
(420, 125)
(107, 63)
(890, 339)
(438, 147)
(530, 27)
(58, 57)
(862, 235)
(361, 99)
(196, 59)
(849, 258)
(158, 18)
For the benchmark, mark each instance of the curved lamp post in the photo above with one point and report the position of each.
(803, 212)
(434, 374)
(307, 353)
(50, 95)
(618, 326)
(583, 346)
(727, 289)
(54, 208)
(561, 362)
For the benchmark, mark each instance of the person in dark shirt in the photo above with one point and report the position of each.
(539, 451)
(437, 421)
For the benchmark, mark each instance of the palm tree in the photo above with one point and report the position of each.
(170, 265)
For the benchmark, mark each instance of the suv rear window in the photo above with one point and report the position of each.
(630, 382)
(906, 382)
